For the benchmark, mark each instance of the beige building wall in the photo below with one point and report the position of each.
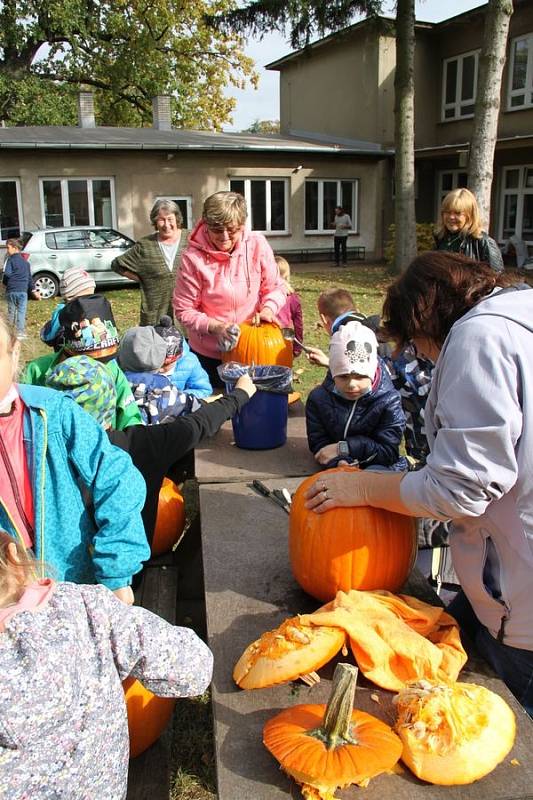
(140, 177)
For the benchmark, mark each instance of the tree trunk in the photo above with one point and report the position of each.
(485, 130)
(404, 136)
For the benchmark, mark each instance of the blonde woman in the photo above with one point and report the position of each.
(460, 230)
(228, 275)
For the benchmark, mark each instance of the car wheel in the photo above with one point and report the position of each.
(46, 284)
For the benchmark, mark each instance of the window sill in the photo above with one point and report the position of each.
(329, 233)
(517, 108)
(455, 119)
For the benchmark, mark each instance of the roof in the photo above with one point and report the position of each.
(334, 37)
(106, 138)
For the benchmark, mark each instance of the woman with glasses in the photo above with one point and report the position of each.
(228, 275)
(154, 260)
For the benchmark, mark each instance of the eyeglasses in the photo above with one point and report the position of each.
(222, 228)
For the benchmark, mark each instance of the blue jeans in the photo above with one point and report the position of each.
(17, 303)
(513, 665)
(339, 245)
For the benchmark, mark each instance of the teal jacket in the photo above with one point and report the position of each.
(87, 495)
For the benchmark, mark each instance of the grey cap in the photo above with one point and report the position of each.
(142, 350)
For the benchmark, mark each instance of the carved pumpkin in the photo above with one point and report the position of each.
(326, 747)
(261, 345)
(170, 518)
(348, 548)
(148, 715)
(453, 733)
(287, 653)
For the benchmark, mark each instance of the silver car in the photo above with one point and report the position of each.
(53, 250)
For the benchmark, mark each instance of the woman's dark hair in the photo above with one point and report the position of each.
(436, 290)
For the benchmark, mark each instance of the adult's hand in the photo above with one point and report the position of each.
(247, 385)
(317, 356)
(125, 594)
(327, 453)
(357, 488)
(264, 315)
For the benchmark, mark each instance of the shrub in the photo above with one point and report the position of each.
(424, 239)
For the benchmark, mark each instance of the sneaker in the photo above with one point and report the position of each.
(21, 336)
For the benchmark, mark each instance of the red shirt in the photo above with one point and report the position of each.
(16, 492)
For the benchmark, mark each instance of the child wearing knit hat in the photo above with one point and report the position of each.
(75, 282)
(356, 415)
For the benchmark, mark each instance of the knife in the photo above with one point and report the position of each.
(263, 490)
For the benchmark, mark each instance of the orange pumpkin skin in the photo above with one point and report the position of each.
(170, 518)
(148, 715)
(348, 548)
(261, 345)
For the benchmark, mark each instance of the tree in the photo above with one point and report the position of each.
(263, 126)
(485, 129)
(404, 135)
(126, 51)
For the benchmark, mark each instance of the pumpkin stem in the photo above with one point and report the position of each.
(336, 728)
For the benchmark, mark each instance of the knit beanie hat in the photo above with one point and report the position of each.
(353, 349)
(172, 336)
(142, 350)
(89, 327)
(89, 383)
(75, 282)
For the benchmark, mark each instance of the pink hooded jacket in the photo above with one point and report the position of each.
(229, 287)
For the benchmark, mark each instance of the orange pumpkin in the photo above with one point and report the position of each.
(325, 747)
(148, 715)
(287, 653)
(455, 733)
(348, 548)
(261, 345)
(170, 518)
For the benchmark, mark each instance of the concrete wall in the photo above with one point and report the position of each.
(140, 177)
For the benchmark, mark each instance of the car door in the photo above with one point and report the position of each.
(65, 249)
(105, 244)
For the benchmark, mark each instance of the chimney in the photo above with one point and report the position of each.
(161, 112)
(86, 110)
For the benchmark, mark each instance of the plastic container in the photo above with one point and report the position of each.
(262, 423)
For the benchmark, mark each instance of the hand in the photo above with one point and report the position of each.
(125, 594)
(317, 356)
(247, 385)
(353, 487)
(265, 315)
(327, 453)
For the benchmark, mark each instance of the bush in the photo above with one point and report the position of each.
(424, 239)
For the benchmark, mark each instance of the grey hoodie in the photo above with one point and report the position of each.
(479, 423)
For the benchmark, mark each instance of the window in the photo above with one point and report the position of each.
(322, 196)
(448, 180)
(10, 209)
(185, 206)
(67, 240)
(77, 201)
(521, 73)
(267, 202)
(516, 212)
(459, 86)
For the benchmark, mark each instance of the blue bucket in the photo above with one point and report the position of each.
(262, 423)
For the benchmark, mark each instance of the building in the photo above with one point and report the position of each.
(350, 76)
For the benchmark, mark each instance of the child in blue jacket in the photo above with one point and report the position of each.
(18, 281)
(356, 415)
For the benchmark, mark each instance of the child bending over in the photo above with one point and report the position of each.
(65, 650)
(356, 415)
(290, 316)
(75, 282)
(335, 307)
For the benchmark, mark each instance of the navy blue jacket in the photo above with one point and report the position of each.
(373, 425)
(17, 274)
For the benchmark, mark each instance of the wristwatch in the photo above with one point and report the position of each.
(343, 450)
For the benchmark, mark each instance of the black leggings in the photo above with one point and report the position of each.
(210, 365)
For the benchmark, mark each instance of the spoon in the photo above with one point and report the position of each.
(289, 336)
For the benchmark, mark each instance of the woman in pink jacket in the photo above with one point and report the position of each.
(228, 275)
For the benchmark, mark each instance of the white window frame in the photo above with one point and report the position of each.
(441, 192)
(321, 230)
(174, 198)
(528, 88)
(16, 181)
(457, 103)
(521, 191)
(65, 201)
(248, 197)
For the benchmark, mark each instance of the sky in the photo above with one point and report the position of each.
(263, 103)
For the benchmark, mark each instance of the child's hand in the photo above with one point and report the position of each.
(125, 594)
(327, 453)
(247, 385)
(317, 356)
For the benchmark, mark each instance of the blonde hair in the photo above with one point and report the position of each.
(224, 209)
(285, 272)
(334, 302)
(463, 202)
(7, 330)
(21, 574)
